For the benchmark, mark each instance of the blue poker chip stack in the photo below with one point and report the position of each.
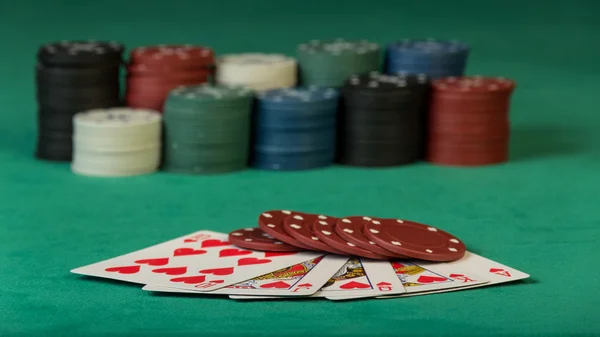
(435, 58)
(295, 129)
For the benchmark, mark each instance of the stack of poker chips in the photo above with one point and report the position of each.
(359, 236)
(116, 142)
(257, 71)
(207, 129)
(331, 63)
(295, 129)
(469, 121)
(154, 71)
(435, 58)
(382, 120)
(73, 76)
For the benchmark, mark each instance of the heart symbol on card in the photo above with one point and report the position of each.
(189, 279)
(171, 271)
(500, 271)
(430, 279)
(190, 240)
(154, 262)
(218, 271)
(276, 285)
(354, 285)
(233, 252)
(397, 266)
(275, 254)
(214, 243)
(188, 251)
(251, 260)
(123, 270)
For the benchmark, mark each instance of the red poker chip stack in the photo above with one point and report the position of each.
(469, 121)
(359, 236)
(156, 70)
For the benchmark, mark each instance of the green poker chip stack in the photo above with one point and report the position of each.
(207, 129)
(331, 63)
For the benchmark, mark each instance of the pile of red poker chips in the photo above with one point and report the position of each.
(469, 121)
(156, 70)
(361, 236)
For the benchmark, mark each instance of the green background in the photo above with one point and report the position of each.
(538, 213)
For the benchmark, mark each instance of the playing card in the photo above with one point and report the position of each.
(201, 261)
(472, 263)
(426, 276)
(358, 278)
(362, 278)
(298, 280)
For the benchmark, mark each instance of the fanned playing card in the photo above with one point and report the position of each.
(362, 278)
(494, 272)
(358, 278)
(426, 276)
(298, 280)
(201, 261)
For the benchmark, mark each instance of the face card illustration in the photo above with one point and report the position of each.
(425, 276)
(362, 278)
(201, 261)
(298, 280)
(493, 271)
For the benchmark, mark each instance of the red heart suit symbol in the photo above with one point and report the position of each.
(275, 254)
(500, 271)
(189, 279)
(171, 271)
(397, 266)
(214, 243)
(190, 240)
(430, 279)
(354, 285)
(123, 270)
(251, 260)
(154, 262)
(188, 251)
(233, 252)
(218, 271)
(277, 285)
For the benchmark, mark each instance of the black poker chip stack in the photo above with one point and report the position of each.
(382, 120)
(73, 76)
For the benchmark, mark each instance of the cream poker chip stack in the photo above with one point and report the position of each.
(257, 71)
(116, 142)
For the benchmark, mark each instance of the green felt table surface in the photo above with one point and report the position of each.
(538, 213)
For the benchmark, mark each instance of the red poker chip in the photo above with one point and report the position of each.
(162, 81)
(473, 85)
(414, 239)
(162, 70)
(271, 222)
(300, 227)
(351, 229)
(172, 55)
(324, 229)
(256, 239)
(460, 157)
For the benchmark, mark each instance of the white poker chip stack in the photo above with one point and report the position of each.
(116, 142)
(257, 71)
